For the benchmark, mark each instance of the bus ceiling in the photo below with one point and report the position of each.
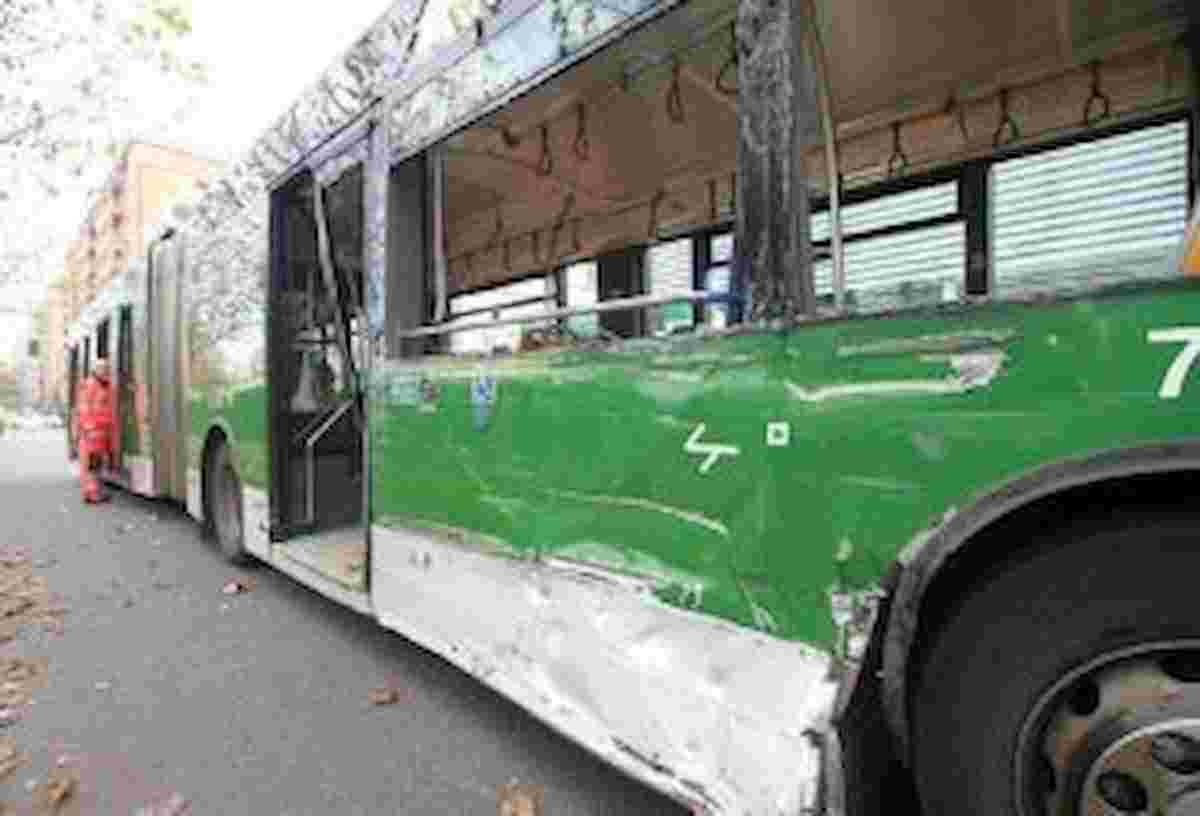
(640, 141)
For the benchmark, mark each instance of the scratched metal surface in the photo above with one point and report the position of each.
(752, 475)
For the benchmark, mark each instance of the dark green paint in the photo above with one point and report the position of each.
(582, 446)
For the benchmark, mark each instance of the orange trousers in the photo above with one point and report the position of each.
(95, 451)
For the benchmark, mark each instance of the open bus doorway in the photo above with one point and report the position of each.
(315, 378)
(73, 378)
(125, 425)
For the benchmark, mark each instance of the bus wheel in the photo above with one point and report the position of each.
(1068, 681)
(225, 505)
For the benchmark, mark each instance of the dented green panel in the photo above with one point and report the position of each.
(753, 474)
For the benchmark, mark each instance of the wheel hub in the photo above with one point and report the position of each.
(1152, 769)
(1122, 737)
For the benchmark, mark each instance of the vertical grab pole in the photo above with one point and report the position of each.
(832, 160)
(438, 155)
(375, 255)
(1193, 48)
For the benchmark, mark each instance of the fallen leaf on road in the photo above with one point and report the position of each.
(127, 603)
(517, 799)
(18, 669)
(57, 790)
(175, 805)
(7, 766)
(10, 760)
(384, 696)
(15, 606)
(238, 586)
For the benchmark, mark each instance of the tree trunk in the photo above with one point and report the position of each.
(778, 123)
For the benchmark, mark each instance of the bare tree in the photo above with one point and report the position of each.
(75, 74)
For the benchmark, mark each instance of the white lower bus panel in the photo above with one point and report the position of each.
(716, 716)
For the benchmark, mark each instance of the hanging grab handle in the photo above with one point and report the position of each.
(955, 108)
(546, 163)
(1007, 131)
(582, 146)
(675, 109)
(1097, 106)
(898, 162)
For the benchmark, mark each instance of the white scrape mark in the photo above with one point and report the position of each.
(879, 484)
(874, 389)
(845, 549)
(970, 371)
(644, 504)
(762, 618)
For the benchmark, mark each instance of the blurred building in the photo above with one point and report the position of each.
(146, 181)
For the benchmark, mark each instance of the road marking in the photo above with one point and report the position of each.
(710, 451)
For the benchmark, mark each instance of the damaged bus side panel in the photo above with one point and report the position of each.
(567, 377)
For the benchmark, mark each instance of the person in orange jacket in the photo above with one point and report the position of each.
(94, 423)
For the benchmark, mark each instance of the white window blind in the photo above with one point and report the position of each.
(901, 269)
(1089, 215)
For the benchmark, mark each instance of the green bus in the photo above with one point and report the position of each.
(793, 403)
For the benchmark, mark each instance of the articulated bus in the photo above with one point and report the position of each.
(793, 403)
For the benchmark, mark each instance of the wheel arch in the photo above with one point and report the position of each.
(218, 433)
(940, 563)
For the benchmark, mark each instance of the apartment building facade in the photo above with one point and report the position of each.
(146, 181)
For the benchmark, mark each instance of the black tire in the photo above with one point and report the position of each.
(225, 506)
(1091, 590)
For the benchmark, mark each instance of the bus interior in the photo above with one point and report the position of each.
(616, 179)
(588, 188)
(316, 374)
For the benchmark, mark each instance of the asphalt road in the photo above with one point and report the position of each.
(157, 684)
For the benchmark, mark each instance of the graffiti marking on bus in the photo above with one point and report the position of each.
(709, 450)
(1172, 383)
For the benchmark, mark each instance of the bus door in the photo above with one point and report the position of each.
(73, 378)
(316, 375)
(126, 427)
(168, 427)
